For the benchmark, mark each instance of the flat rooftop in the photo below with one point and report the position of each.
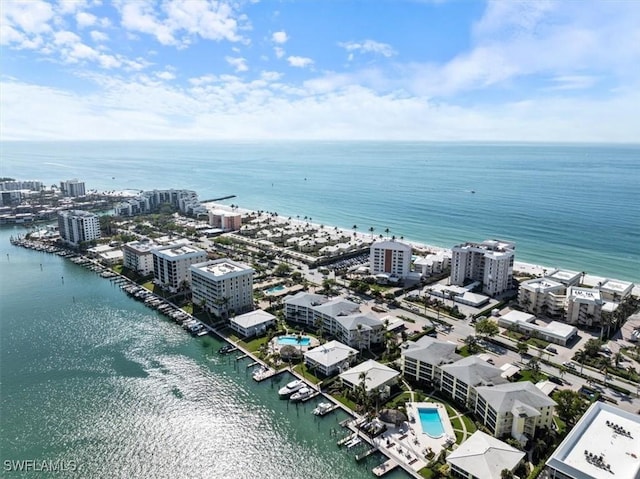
(564, 275)
(605, 444)
(585, 293)
(180, 250)
(616, 286)
(221, 269)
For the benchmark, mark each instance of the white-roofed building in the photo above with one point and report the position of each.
(225, 220)
(554, 332)
(565, 276)
(136, 256)
(433, 263)
(171, 265)
(377, 377)
(490, 262)
(583, 306)
(77, 226)
(222, 285)
(542, 296)
(604, 444)
(390, 257)
(329, 358)
(421, 360)
(513, 409)
(483, 457)
(338, 317)
(614, 290)
(460, 379)
(252, 323)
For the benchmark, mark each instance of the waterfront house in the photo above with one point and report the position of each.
(374, 376)
(483, 457)
(253, 323)
(330, 358)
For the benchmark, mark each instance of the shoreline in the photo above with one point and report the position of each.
(519, 266)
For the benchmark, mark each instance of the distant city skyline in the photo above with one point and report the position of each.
(432, 70)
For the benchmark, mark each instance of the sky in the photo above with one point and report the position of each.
(423, 70)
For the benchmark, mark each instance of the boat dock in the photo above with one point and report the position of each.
(346, 439)
(366, 453)
(385, 467)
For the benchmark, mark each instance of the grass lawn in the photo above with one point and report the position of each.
(450, 410)
(459, 437)
(456, 423)
(117, 268)
(188, 308)
(426, 472)
(527, 375)
(148, 285)
(254, 344)
(470, 425)
(305, 373)
(560, 424)
(346, 401)
(399, 400)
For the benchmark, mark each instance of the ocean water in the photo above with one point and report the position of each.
(570, 206)
(92, 376)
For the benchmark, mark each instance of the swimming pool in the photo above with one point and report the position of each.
(431, 423)
(275, 289)
(294, 340)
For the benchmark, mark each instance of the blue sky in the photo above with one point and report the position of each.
(433, 70)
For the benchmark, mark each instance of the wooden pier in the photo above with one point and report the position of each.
(385, 467)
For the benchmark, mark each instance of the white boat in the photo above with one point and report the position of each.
(322, 408)
(260, 372)
(291, 387)
(301, 394)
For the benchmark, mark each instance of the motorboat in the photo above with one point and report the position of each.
(260, 372)
(290, 388)
(323, 408)
(225, 349)
(302, 394)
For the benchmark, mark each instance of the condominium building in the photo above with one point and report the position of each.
(12, 185)
(225, 220)
(490, 262)
(513, 409)
(604, 444)
(186, 201)
(433, 263)
(392, 258)
(564, 276)
(330, 358)
(554, 331)
(483, 457)
(78, 226)
(614, 290)
(72, 188)
(171, 265)
(422, 360)
(137, 256)
(337, 317)
(460, 379)
(222, 286)
(542, 296)
(583, 306)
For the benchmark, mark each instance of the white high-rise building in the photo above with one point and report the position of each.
(390, 257)
(171, 265)
(222, 285)
(137, 256)
(72, 188)
(490, 262)
(78, 226)
(583, 306)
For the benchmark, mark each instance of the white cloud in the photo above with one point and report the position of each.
(573, 82)
(31, 17)
(279, 37)
(182, 21)
(166, 75)
(85, 19)
(99, 37)
(232, 109)
(279, 52)
(299, 62)
(369, 46)
(239, 63)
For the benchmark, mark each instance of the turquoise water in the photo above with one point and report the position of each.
(570, 206)
(431, 423)
(92, 376)
(294, 340)
(275, 289)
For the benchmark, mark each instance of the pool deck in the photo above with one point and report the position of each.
(408, 445)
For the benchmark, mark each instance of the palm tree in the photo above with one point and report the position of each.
(580, 356)
(387, 231)
(371, 230)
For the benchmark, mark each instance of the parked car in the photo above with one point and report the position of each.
(551, 349)
(569, 364)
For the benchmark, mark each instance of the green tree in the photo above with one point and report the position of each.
(570, 405)
(506, 474)
(487, 328)
(283, 269)
(472, 343)
(592, 347)
(523, 348)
